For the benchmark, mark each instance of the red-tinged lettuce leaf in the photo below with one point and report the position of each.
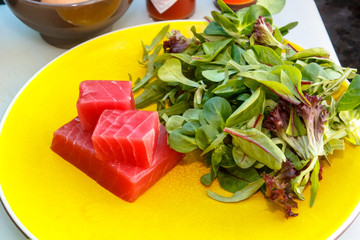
(278, 188)
(313, 117)
(177, 43)
(271, 81)
(263, 34)
(241, 159)
(295, 127)
(310, 52)
(253, 13)
(290, 76)
(259, 147)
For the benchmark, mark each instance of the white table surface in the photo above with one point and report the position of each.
(23, 53)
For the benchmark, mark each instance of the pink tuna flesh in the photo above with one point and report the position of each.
(128, 182)
(128, 137)
(97, 95)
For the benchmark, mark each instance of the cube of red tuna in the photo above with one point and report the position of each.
(97, 95)
(128, 137)
(128, 182)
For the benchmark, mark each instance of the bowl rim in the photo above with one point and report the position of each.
(84, 3)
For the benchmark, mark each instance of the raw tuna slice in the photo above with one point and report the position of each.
(97, 95)
(74, 144)
(128, 137)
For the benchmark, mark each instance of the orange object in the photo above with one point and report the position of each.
(170, 9)
(237, 4)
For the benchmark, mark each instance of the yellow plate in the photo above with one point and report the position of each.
(51, 199)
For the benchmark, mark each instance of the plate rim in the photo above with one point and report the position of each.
(22, 228)
(3, 200)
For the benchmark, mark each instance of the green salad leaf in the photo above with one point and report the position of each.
(259, 111)
(351, 97)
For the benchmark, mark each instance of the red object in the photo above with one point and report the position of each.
(74, 144)
(95, 96)
(179, 10)
(129, 136)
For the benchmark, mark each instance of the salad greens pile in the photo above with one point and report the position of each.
(261, 111)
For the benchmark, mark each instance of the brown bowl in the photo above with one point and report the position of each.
(66, 25)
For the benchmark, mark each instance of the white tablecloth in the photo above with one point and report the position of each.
(23, 53)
